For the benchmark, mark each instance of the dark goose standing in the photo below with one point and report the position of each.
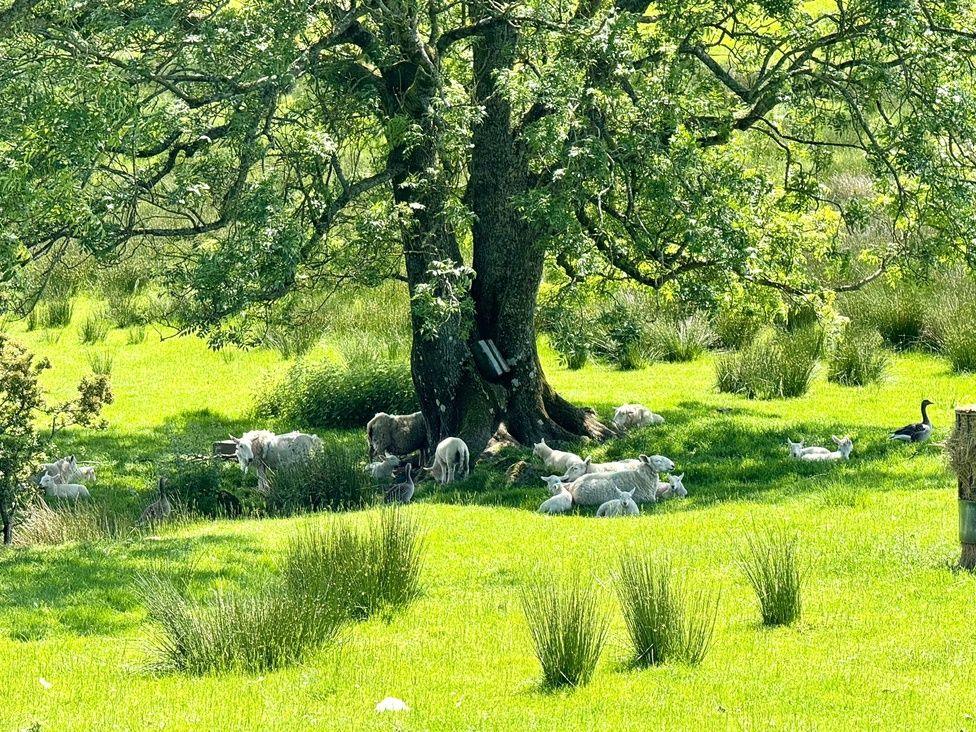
(918, 432)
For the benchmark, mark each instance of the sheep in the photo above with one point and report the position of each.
(556, 460)
(627, 416)
(554, 483)
(383, 469)
(797, 450)
(594, 489)
(843, 451)
(67, 470)
(450, 455)
(53, 489)
(674, 487)
(622, 505)
(397, 434)
(83, 473)
(267, 450)
(561, 502)
(160, 509)
(587, 466)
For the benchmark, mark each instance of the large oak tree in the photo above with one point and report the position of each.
(272, 147)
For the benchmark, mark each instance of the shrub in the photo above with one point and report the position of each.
(775, 364)
(56, 313)
(895, 310)
(329, 395)
(621, 331)
(952, 322)
(666, 621)
(331, 479)
(244, 631)
(568, 630)
(100, 362)
(570, 344)
(94, 328)
(680, 340)
(771, 564)
(210, 487)
(857, 358)
(126, 311)
(357, 573)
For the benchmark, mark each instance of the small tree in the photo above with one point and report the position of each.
(21, 402)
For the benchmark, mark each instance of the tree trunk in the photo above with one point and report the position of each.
(7, 517)
(509, 256)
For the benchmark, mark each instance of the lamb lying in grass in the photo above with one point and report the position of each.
(622, 505)
(71, 491)
(628, 416)
(383, 469)
(557, 461)
(673, 488)
(554, 483)
(561, 502)
(843, 452)
(67, 470)
(587, 466)
(797, 450)
(594, 489)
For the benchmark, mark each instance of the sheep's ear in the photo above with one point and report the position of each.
(644, 459)
(235, 440)
(681, 477)
(587, 461)
(836, 439)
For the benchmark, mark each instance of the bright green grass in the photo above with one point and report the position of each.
(885, 640)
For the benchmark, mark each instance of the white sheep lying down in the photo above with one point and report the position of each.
(383, 469)
(622, 505)
(627, 416)
(843, 452)
(72, 491)
(67, 470)
(264, 449)
(557, 461)
(595, 489)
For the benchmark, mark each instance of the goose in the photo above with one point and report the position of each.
(401, 492)
(160, 509)
(919, 432)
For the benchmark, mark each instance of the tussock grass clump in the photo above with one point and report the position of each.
(666, 620)
(55, 313)
(771, 563)
(78, 522)
(858, 358)
(332, 479)
(241, 631)
(94, 328)
(358, 573)
(331, 395)
(621, 331)
(952, 323)
(101, 362)
(680, 340)
(568, 630)
(135, 335)
(776, 364)
(895, 310)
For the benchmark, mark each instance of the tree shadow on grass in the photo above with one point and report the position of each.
(90, 589)
(725, 454)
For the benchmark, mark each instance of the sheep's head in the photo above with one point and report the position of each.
(658, 463)
(677, 486)
(627, 501)
(796, 448)
(540, 448)
(244, 453)
(391, 460)
(47, 481)
(577, 470)
(620, 418)
(554, 483)
(845, 445)
(87, 472)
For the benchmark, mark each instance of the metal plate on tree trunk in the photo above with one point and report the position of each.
(490, 361)
(967, 522)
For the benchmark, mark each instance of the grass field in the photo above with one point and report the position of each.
(886, 639)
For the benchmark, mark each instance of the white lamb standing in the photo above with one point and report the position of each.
(264, 450)
(627, 416)
(843, 452)
(72, 491)
(450, 456)
(557, 461)
(797, 450)
(622, 505)
(561, 502)
(594, 489)
(673, 488)
(383, 469)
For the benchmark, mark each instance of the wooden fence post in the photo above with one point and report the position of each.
(962, 455)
